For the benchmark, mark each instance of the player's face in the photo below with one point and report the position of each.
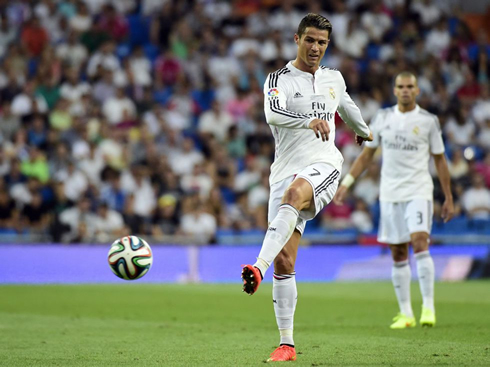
(406, 90)
(311, 46)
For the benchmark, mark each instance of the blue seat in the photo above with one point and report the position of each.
(372, 51)
(139, 29)
(151, 52)
(123, 50)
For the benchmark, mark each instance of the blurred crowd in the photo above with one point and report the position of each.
(146, 117)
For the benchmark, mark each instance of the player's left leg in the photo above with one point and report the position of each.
(426, 274)
(285, 295)
(297, 196)
(310, 190)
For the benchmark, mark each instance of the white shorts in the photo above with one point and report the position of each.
(323, 178)
(399, 220)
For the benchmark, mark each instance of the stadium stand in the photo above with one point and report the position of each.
(146, 117)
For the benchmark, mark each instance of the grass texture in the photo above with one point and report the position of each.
(337, 324)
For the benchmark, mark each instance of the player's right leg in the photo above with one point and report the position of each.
(393, 230)
(401, 276)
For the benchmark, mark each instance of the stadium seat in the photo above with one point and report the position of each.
(151, 52)
(123, 50)
(139, 30)
(372, 51)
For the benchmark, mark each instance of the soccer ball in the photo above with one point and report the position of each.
(130, 257)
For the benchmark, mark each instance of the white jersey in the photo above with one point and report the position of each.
(294, 98)
(407, 141)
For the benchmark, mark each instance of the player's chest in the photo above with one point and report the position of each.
(403, 132)
(314, 95)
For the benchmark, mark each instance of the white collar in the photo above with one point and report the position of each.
(301, 72)
(414, 111)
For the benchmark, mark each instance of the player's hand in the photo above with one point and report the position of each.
(360, 139)
(340, 195)
(321, 129)
(447, 212)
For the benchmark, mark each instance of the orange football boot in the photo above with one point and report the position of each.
(283, 353)
(251, 279)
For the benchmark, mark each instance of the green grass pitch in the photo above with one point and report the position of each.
(337, 324)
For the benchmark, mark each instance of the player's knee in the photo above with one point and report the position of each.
(283, 264)
(399, 253)
(294, 196)
(420, 243)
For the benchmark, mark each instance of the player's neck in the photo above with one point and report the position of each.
(300, 65)
(406, 108)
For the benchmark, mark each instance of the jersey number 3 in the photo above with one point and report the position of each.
(419, 218)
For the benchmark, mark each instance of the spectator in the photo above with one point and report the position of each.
(215, 123)
(26, 103)
(9, 215)
(34, 215)
(458, 167)
(34, 37)
(109, 224)
(105, 58)
(72, 52)
(166, 220)
(438, 38)
(197, 223)
(81, 21)
(476, 201)
(361, 218)
(119, 108)
(80, 222)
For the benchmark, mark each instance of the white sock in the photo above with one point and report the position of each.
(426, 273)
(278, 234)
(285, 296)
(401, 276)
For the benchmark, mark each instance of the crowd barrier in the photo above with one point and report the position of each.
(54, 263)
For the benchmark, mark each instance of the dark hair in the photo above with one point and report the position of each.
(406, 74)
(316, 21)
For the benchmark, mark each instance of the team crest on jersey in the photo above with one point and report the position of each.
(416, 130)
(332, 93)
(273, 92)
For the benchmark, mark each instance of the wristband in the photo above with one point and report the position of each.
(348, 180)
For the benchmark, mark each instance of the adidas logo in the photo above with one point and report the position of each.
(298, 95)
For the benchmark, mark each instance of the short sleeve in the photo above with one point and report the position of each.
(435, 137)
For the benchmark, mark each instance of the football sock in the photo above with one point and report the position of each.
(285, 296)
(278, 234)
(401, 276)
(426, 274)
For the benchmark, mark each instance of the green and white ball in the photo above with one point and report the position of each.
(130, 257)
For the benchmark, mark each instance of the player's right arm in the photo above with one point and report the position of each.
(276, 110)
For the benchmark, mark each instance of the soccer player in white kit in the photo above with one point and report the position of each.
(300, 97)
(408, 136)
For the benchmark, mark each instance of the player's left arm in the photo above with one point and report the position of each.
(445, 180)
(350, 113)
(437, 151)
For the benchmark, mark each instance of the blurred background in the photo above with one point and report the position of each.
(146, 117)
